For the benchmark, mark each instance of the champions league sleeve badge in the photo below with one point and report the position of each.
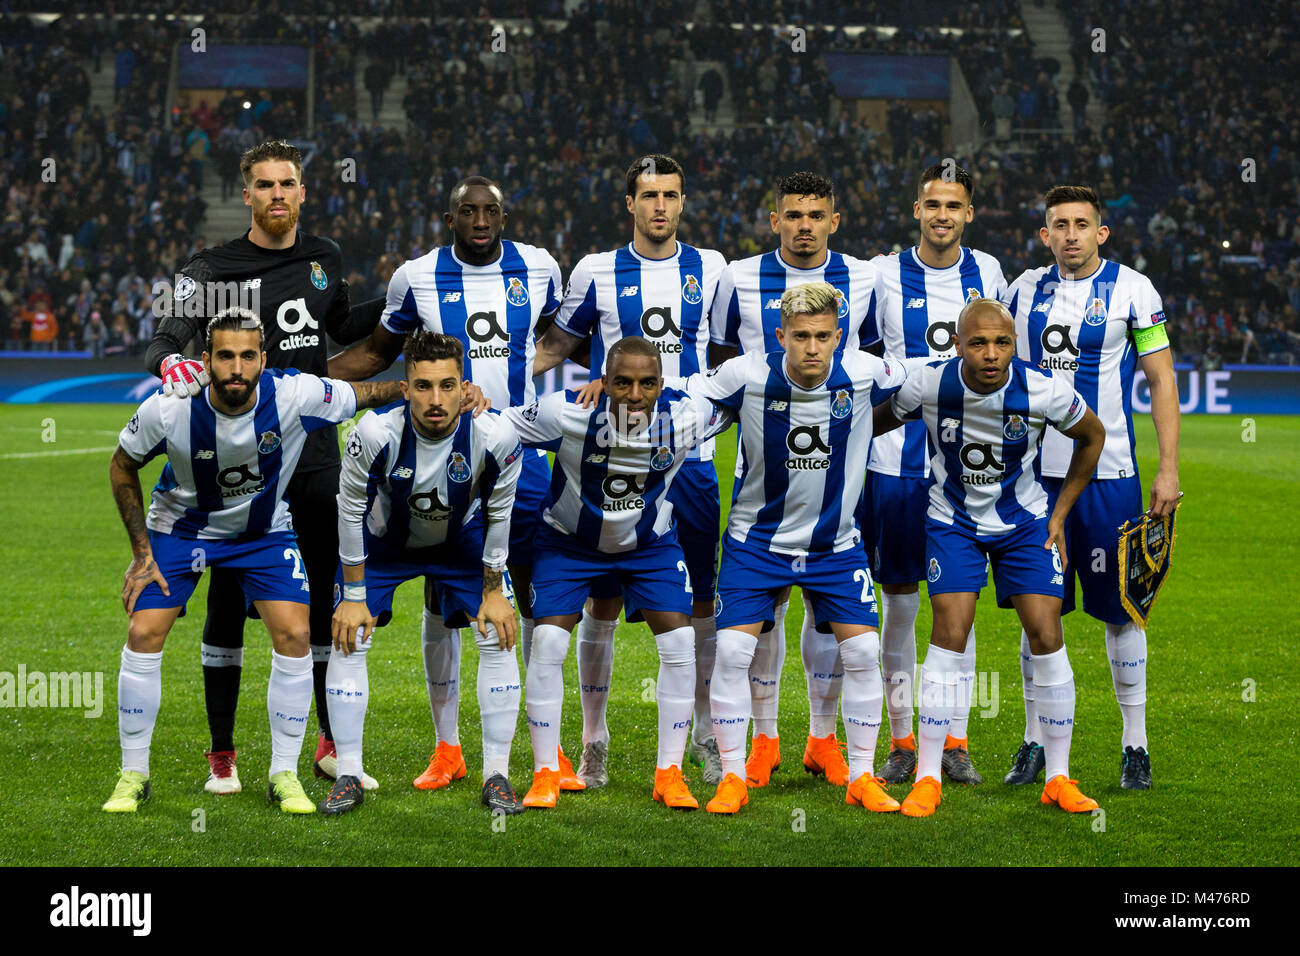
(1146, 545)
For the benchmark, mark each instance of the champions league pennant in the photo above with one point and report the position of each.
(1146, 545)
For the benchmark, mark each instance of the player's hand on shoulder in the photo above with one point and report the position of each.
(472, 398)
(589, 394)
(182, 377)
(142, 570)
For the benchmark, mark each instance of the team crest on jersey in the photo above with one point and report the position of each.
(932, 575)
(1096, 313)
(972, 294)
(458, 467)
(691, 291)
(841, 304)
(1015, 428)
(318, 276)
(516, 293)
(185, 288)
(663, 458)
(842, 407)
(268, 443)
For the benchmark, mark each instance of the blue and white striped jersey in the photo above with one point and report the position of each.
(226, 475)
(412, 492)
(986, 460)
(492, 309)
(1080, 329)
(915, 316)
(609, 487)
(749, 299)
(667, 301)
(803, 451)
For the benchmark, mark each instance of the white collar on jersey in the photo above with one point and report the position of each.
(632, 249)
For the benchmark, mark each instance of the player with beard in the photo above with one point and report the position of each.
(295, 282)
(490, 293)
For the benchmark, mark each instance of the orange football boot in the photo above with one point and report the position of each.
(923, 799)
(731, 796)
(446, 764)
(569, 780)
(670, 789)
(867, 792)
(764, 759)
(1065, 794)
(545, 791)
(823, 756)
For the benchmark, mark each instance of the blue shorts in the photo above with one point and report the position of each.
(895, 529)
(957, 561)
(1093, 525)
(530, 497)
(652, 578)
(269, 568)
(456, 575)
(836, 587)
(696, 514)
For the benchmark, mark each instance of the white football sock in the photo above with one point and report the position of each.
(498, 701)
(1126, 649)
(965, 689)
(864, 692)
(1027, 683)
(706, 649)
(544, 694)
(526, 636)
(729, 700)
(824, 672)
(139, 695)
(934, 714)
(288, 699)
(1054, 682)
(595, 668)
(347, 692)
(675, 693)
(765, 674)
(898, 658)
(441, 647)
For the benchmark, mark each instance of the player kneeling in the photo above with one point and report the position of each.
(615, 464)
(985, 412)
(220, 503)
(427, 491)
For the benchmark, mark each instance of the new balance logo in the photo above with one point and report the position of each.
(1043, 307)
(204, 454)
(451, 297)
(402, 472)
(775, 406)
(772, 304)
(916, 303)
(628, 291)
(595, 459)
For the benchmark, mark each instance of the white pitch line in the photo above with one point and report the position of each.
(52, 454)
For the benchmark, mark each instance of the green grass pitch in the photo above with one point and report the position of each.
(1223, 664)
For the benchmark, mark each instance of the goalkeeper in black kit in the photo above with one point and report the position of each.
(294, 281)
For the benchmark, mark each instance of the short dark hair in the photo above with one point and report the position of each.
(949, 172)
(805, 184)
(657, 164)
(236, 319)
(633, 345)
(271, 149)
(1063, 194)
(426, 346)
(461, 188)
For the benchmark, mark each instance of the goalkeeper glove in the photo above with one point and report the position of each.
(182, 377)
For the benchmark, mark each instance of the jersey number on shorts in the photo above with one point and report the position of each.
(297, 563)
(868, 593)
(681, 566)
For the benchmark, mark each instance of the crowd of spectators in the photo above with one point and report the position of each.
(558, 115)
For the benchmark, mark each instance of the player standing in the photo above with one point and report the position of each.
(297, 281)
(490, 293)
(806, 424)
(427, 490)
(1092, 322)
(661, 289)
(611, 516)
(749, 300)
(220, 503)
(985, 412)
(921, 292)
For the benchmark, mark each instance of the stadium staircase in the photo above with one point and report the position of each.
(1051, 40)
(725, 122)
(391, 114)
